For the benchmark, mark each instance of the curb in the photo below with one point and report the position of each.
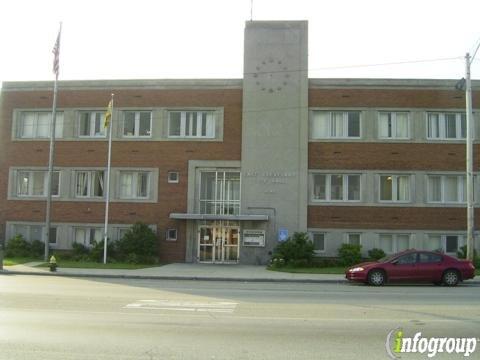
(191, 278)
(188, 278)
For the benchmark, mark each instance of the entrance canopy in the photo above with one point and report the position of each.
(183, 216)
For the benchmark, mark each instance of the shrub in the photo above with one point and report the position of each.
(79, 252)
(300, 263)
(64, 255)
(17, 247)
(138, 245)
(277, 261)
(297, 249)
(37, 248)
(326, 262)
(132, 259)
(96, 251)
(462, 253)
(376, 254)
(349, 254)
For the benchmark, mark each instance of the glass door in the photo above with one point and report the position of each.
(219, 236)
(230, 247)
(218, 244)
(205, 245)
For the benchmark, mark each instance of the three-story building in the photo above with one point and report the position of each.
(224, 169)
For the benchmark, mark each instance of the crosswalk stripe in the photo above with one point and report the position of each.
(191, 306)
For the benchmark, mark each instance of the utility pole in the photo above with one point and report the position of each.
(469, 169)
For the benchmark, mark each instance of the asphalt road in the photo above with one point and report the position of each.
(65, 318)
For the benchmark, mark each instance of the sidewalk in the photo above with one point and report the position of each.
(181, 271)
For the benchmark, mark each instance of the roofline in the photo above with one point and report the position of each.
(210, 84)
(150, 84)
(446, 84)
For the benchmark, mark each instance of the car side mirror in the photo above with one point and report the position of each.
(394, 262)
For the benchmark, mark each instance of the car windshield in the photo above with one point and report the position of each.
(386, 258)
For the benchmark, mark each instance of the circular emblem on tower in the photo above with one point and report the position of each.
(271, 75)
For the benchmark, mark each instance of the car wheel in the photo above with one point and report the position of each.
(450, 277)
(376, 278)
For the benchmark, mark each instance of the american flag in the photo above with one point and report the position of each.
(56, 53)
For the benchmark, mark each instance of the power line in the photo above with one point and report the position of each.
(390, 63)
(285, 70)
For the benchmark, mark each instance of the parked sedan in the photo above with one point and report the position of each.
(413, 266)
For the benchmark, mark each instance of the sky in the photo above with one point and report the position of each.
(178, 39)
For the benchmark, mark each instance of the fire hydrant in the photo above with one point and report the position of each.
(53, 264)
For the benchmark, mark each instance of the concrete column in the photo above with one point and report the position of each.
(275, 127)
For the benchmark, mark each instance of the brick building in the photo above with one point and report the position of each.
(223, 169)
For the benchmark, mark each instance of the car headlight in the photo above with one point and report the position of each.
(356, 269)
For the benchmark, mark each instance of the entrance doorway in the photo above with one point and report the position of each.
(218, 243)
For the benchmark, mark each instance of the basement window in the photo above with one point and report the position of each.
(171, 235)
(173, 177)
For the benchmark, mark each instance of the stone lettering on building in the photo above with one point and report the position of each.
(270, 178)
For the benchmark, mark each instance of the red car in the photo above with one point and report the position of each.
(413, 266)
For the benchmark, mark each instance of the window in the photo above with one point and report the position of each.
(134, 185)
(137, 124)
(393, 243)
(22, 230)
(319, 242)
(336, 187)
(173, 177)
(353, 239)
(451, 244)
(191, 124)
(35, 232)
(88, 236)
(427, 258)
(447, 243)
(122, 232)
(447, 188)
(433, 243)
(171, 235)
(89, 183)
(34, 183)
(393, 125)
(409, 259)
(36, 125)
(444, 126)
(91, 124)
(220, 192)
(335, 124)
(52, 236)
(394, 187)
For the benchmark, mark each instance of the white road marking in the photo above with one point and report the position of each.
(192, 306)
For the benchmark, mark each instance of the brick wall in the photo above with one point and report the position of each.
(401, 98)
(388, 156)
(384, 156)
(383, 217)
(163, 155)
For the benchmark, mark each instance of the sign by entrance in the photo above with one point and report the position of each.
(282, 235)
(254, 238)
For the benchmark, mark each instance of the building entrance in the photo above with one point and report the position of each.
(218, 243)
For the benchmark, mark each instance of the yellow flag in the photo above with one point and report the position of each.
(108, 114)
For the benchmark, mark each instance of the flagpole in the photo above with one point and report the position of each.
(52, 146)
(107, 193)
